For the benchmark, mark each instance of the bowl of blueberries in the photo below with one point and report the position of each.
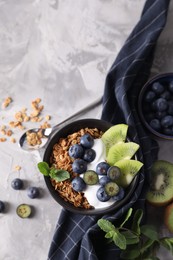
(155, 105)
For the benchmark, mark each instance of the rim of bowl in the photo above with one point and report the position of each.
(158, 77)
(63, 133)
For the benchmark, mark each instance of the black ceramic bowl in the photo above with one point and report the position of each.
(69, 129)
(155, 105)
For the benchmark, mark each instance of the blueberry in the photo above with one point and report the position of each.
(102, 168)
(102, 195)
(168, 131)
(17, 184)
(155, 124)
(87, 141)
(79, 166)
(166, 95)
(157, 87)
(89, 155)
(2, 206)
(170, 108)
(78, 184)
(103, 180)
(170, 86)
(76, 151)
(149, 116)
(150, 95)
(120, 195)
(167, 121)
(160, 104)
(33, 192)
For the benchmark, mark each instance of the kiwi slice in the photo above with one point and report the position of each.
(160, 192)
(115, 134)
(111, 188)
(121, 151)
(113, 173)
(90, 177)
(129, 169)
(23, 210)
(168, 217)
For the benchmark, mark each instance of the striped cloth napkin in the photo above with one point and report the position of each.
(78, 237)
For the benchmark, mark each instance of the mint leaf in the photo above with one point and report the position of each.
(59, 175)
(132, 253)
(119, 239)
(131, 238)
(44, 168)
(129, 213)
(149, 231)
(105, 225)
(137, 220)
(167, 243)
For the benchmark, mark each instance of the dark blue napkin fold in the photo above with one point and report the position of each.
(77, 236)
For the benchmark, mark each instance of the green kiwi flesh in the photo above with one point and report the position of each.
(129, 169)
(121, 151)
(160, 192)
(115, 134)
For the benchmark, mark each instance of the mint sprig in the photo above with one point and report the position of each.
(139, 241)
(56, 174)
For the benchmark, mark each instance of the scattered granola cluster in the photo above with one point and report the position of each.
(20, 117)
(61, 160)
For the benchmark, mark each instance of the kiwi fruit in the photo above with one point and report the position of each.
(111, 188)
(129, 169)
(115, 134)
(160, 192)
(23, 210)
(121, 151)
(168, 217)
(90, 177)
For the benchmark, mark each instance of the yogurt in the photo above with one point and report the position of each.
(91, 190)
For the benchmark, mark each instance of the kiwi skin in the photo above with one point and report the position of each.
(168, 217)
(156, 196)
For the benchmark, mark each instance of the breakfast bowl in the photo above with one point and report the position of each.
(155, 106)
(60, 155)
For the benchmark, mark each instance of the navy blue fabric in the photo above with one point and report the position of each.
(78, 237)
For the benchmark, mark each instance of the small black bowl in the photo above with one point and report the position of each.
(69, 129)
(149, 110)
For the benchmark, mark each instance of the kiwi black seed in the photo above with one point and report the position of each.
(114, 173)
(90, 177)
(160, 192)
(111, 188)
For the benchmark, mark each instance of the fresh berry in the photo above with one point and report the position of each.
(170, 86)
(90, 177)
(111, 188)
(76, 151)
(155, 124)
(103, 180)
(113, 173)
(167, 121)
(102, 168)
(33, 192)
(79, 166)
(87, 141)
(17, 184)
(150, 95)
(102, 195)
(89, 155)
(170, 109)
(157, 87)
(120, 195)
(160, 104)
(160, 115)
(2, 206)
(168, 131)
(78, 184)
(166, 95)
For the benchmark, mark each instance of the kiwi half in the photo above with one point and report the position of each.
(160, 192)
(115, 134)
(168, 217)
(121, 151)
(129, 169)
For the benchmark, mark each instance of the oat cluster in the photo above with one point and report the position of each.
(60, 159)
